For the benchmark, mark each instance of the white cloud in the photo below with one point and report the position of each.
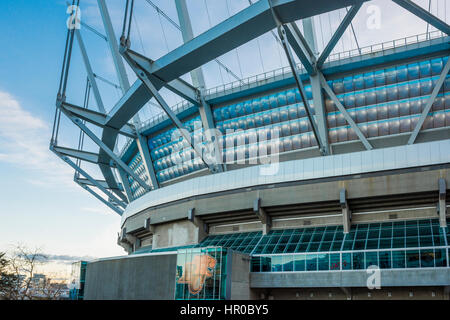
(24, 142)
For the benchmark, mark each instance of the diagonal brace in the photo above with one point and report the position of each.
(338, 34)
(424, 15)
(345, 113)
(108, 151)
(430, 102)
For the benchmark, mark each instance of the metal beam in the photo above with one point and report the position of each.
(198, 80)
(142, 143)
(101, 182)
(430, 102)
(424, 15)
(344, 112)
(126, 184)
(114, 47)
(338, 34)
(108, 151)
(301, 89)
(178, 86)
(300, 47)
(90, 73)
(242, 27)
(78, 154)
(143, 76)
(128, 105)
(316, 88)
(90, 178)
(109, 204)
(97, 118)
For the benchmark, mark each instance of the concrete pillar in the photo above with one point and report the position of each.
(203, 229)
(265, 219)
(346, 212)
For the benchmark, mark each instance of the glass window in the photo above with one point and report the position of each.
(426, 241)
(385, 259)
(399, 233)
(313, 246)
(325, 246)
(334, 261)
(266, 264)
(398, 243)
(371, 259)
(336, 246)
(440, 257)
(301, 247)
(311, 262)
(288, 263)
(427, 258)
(277, 263)
(324, 261)
(269, 248)
(358, 260)
(290, 248)
(348, 245)
(346, 261)
(412, 259)
(412, 242)
(372, 244)
(385, 243)
(359, 245)
(398, 259)
(299, 262)
(256, 264)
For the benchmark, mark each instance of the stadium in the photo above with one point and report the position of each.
(325, 178)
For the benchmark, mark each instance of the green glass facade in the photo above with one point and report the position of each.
(201, 274)
(77, 280)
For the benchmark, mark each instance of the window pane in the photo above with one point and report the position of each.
(371, 259)
(398, 243)
(256, 264)
(412, 259)
(372, 244)
(385, 259)
(426, 241)
(440, 257)
(385, 243)
(277, 263)
(266, 264)
(299, 262)
(311, 262)
(359, 245)
(398, 259)
(336, 245)
(288, 263)
(412, 242)
(358, 260)
(346, 261)
(334, 261)
(426, 258)
(324, 263)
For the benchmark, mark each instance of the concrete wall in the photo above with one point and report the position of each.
(388, 293)
(240, 276)
(138, 278)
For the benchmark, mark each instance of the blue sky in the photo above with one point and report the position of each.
(40, 204)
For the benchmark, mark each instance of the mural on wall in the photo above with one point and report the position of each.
(201, 274)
